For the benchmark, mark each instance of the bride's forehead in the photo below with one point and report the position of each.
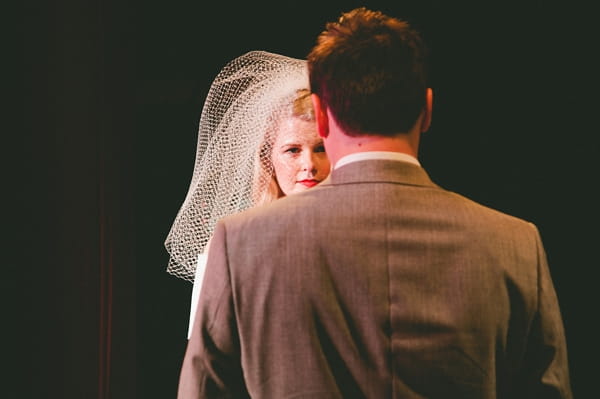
(297, 129)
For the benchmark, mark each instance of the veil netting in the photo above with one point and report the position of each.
(235, 133)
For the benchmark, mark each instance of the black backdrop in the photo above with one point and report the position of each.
(110, 94)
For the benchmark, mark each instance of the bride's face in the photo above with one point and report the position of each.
(299, 158)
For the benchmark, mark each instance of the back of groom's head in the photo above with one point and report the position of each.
(369, 70)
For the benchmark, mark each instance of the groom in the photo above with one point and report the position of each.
(377, 283)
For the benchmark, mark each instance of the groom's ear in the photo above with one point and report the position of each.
(320, 116)
(428, 110)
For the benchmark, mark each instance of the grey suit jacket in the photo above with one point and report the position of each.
(376, 284)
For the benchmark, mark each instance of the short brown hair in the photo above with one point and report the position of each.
(369, 69)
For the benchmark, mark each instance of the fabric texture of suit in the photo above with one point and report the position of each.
(376, 284)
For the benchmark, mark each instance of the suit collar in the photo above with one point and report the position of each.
(378, 170)
(389, 155)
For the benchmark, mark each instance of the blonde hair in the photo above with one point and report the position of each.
(300, 107)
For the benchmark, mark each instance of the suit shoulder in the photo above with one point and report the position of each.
(488, 213)
(276, 209)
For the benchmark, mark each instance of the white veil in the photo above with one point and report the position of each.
(245, 99)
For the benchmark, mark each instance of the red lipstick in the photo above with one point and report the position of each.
(309, 182)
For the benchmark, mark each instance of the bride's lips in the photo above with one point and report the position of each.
(309, 183)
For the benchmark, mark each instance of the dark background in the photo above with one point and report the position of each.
(108, 97)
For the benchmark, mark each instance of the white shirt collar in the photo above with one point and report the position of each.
(388, 155)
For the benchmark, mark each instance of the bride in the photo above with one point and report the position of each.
(257, 142)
